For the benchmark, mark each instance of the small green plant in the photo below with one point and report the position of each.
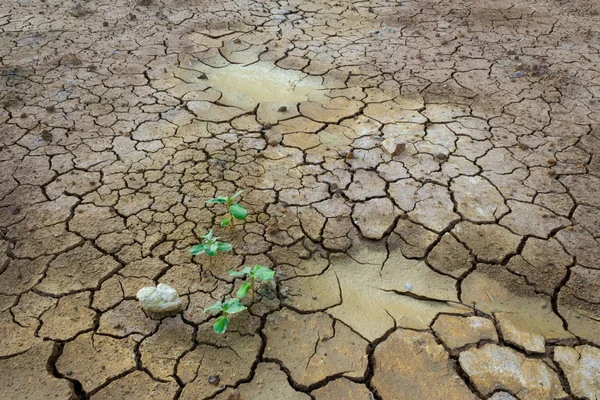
(259, 272)
(210, 246)
(234, 211)
(227, 308)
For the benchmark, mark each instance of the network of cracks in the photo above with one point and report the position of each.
(423, 176)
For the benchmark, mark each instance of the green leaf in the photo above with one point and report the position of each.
(224, 246)
(240, 274)
(233, 306)
(220, 325)
(208, 237)
(211, 250)
(197, 249)
(243, 290)
(218, 200)
(238, 212)
(263, 273)
(225, 222)
(236, 195)
(218, 306)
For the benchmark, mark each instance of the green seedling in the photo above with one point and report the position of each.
(234, 211)
(259, 272)
(210, 246)
(227, 308)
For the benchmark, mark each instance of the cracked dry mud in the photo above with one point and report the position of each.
(424, 177)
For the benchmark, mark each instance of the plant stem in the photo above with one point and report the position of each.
(229, 203)
(252, 284)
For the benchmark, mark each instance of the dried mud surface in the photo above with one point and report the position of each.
(424, 177)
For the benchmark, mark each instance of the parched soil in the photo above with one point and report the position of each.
(423, 176)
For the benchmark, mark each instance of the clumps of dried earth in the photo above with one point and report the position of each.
(424, 178)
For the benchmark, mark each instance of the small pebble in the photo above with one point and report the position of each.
(516, 74)
(214, 380)
(409, 286)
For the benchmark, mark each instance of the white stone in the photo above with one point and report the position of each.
(160, 299)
